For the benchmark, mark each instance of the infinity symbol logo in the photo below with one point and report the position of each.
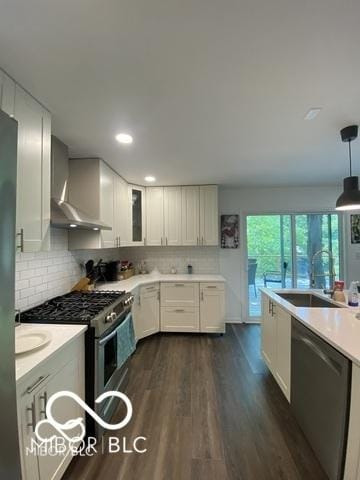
(78, 422)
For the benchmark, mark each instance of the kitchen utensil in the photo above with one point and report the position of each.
(81, 285)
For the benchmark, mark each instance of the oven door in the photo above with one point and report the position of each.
(109, 375)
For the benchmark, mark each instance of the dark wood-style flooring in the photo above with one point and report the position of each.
(210, 410)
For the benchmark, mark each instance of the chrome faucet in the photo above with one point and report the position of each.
(331, 272)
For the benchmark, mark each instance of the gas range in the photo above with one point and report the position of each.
(109, 342)
(98, 309)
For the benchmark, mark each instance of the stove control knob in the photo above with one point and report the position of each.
(108, 318)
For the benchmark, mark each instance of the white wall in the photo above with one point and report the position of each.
(244, 201)
(40, 276)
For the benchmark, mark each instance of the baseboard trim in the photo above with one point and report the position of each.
(233, 320)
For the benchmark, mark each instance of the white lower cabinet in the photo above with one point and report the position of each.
(180, 294)
(212, 308)
(276, 342)
(64, 371)
(283, 350)
(268, 334)
(193, 307)
(146, 310)
(180, 319)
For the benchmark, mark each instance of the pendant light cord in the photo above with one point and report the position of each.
(350, 158)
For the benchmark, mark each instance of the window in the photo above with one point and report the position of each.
(281, 251)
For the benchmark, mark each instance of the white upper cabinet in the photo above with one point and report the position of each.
(190, 215)
(209, 218)
(155, 216)
(172, 216)
(107, 200)
(136, 199)
(7, 94)
(121, 212)
(33, 173)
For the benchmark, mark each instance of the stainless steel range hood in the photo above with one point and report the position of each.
(63, 213)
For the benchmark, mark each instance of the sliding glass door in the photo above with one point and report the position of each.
(291, 251)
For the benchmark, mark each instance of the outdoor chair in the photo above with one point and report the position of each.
(252, 266)
(275, 276)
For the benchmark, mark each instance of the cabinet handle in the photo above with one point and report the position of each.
(179, 285)
(158, 295)
(20, 234)
(166, 241)
(272, 308)
(37, 383)
(269, 309)
(144, 241)
(139, 301)
(211, 286)
(31, 409)
(202, 295)
(179, 311)
(44, 399)
(119, 241)
(161, 242)
(202, 240)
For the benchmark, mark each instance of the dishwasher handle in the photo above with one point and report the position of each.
(335, 366)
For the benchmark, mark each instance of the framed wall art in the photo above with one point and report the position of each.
(229, 231)
(355, 228)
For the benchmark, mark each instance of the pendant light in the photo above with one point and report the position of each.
(350, 198)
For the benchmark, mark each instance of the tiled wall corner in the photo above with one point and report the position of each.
(44, 275)
(203, 259)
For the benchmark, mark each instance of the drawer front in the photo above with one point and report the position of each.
(153, 287)
(180, 294)
(212, 286)
(184, 319)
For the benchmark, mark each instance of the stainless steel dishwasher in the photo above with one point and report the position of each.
(320, 396)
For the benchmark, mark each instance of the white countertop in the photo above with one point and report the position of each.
(61, 335)
(337, 326)
(137, 280)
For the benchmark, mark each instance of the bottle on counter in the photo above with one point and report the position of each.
(339, 295)
(353, 300)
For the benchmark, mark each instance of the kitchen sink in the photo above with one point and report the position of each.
(307, 300)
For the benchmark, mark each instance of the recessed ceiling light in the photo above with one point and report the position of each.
(96, 229)
(72, 225)
(312, 113)
(124, 138)
(150, 179)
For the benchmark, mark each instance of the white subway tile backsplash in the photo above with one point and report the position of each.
(44, 275)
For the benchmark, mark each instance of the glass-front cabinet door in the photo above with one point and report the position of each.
(137, 215)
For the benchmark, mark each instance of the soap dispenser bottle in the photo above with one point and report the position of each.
(353, 300)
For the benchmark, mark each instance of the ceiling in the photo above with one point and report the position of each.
(212, 91)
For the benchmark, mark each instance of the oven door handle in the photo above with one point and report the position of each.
(108, 337)
(101, 341)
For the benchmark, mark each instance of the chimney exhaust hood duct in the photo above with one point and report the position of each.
(63, 213)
